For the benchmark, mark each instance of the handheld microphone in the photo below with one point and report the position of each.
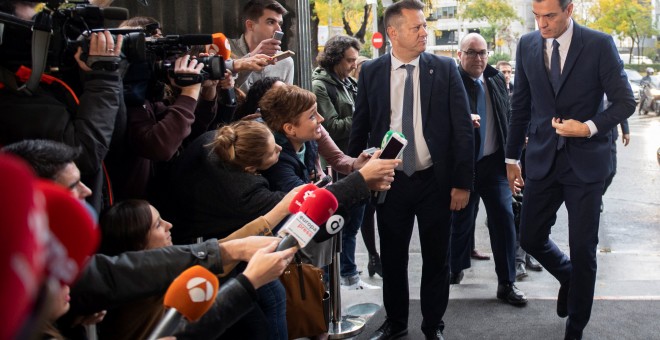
(333, 225)
(189, 296)
(76, 236)
(22, 246)
(300, 197)
(324, 181)
(220, 46)
(304, 224)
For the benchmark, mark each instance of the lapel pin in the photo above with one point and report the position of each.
(431, 71)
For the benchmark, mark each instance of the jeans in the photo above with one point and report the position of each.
(348, 239)
(272, 301)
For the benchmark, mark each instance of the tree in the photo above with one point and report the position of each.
(497, 13)
(625, 18)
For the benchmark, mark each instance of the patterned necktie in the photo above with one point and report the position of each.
(555, 66)
(408, 128)
(481, 110)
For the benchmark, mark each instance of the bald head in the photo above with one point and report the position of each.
(467, 39)
(473, 54)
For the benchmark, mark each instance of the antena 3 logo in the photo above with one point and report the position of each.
(199, 289)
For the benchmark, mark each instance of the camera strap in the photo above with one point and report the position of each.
(41, 32)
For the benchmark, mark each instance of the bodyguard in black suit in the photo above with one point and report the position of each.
(421, 95)
(489, 101)
(562, 72)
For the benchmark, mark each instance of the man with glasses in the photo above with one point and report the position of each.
(489, 103)
(562, 72)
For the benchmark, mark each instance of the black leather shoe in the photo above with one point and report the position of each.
(433, 335)
(562, 300)
(456, 278)
(389, 330)
(532, 264)
(374, 266)
(511, 294)
(521, 273)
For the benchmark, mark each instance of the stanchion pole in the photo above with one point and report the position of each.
(340, 327)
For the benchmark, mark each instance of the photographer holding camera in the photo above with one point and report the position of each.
(54, 111)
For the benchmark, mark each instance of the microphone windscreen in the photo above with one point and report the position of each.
(76, 236)
(333, 225)
(319, 206)
(220, 46)
(22, 245)
(192, 293)
(196, 39)
(115, 13)
(300, 197)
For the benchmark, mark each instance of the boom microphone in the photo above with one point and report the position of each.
(220, 46)
(189, 296)
(315, 210)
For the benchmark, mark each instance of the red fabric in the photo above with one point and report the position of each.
(22, 245)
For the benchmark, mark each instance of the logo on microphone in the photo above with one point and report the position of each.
(199, 289)
(334, 224)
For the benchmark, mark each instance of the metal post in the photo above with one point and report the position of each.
(340, 327)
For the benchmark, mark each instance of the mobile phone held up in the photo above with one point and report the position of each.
(278, 35)
(393, 147)
(283, 55)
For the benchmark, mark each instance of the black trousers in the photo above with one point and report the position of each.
(419, 196)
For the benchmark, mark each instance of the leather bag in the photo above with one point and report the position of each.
(306, 299)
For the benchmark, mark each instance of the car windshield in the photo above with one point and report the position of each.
(633, 76)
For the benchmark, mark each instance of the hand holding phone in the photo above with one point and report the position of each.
(283, 55)
(393, 147)
(278, 35)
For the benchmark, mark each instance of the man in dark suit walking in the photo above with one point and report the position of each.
(489, 99)
(421, 95)
(562, 72)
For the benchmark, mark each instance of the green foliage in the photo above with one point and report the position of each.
(497, 13)
(493, 59)
(626, 18)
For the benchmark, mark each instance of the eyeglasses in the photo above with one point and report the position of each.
(473, 54)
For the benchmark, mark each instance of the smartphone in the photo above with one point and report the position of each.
(283, 55)
(370, 151)
(393, 147)
(278, 35)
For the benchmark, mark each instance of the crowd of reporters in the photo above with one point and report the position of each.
(175, 155)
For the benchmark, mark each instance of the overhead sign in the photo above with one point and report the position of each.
(377, 40)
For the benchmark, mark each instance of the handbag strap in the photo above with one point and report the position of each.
(301, 277)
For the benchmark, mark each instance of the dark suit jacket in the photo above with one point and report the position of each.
(445, 115)
(499, 100)
(592, 68)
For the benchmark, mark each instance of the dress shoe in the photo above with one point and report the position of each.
(521, 272)
(477, 255)
(374, 266)
(433, 335)
(532, 264)
(456, 278)
(389, 330)
(511, 294)
(562, 300)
